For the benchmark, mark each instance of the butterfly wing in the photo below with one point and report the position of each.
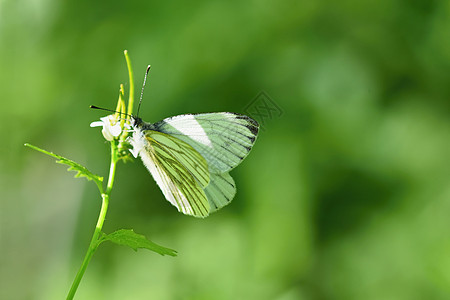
(178, 169)
(224, 139)
(220, 190)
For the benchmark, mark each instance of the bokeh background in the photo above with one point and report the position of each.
(346, 194)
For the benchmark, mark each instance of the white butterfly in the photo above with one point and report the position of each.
(190, 157)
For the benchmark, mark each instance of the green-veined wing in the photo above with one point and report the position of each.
(220, 190)
(179, 170)
(224, 139)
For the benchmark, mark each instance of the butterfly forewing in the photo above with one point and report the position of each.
(179, 170)
(223, 139)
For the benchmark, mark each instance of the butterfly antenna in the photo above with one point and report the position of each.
(142, 91)
(107, 109)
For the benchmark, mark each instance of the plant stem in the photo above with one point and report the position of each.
(131, 78)
(101, 219)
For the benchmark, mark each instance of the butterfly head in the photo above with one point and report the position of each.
(135, 121)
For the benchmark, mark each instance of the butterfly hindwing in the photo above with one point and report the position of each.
(175, 151)
(179, 170)
(224, 139)
(220, 190)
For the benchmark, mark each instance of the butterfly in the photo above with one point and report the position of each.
(190, 157)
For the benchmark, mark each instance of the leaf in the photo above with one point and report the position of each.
(127, 237)
(73, 166)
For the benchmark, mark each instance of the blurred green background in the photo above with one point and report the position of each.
(346, 194)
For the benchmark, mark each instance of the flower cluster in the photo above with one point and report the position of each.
(112, 130)
(111, 127)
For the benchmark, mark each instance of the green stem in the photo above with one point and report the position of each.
(131, 78)
(101, 219)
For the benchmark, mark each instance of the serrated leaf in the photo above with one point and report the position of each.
(73, 166)
(127, 237)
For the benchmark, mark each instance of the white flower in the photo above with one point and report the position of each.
(111, 127)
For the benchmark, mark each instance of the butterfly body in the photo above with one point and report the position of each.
(190, 155)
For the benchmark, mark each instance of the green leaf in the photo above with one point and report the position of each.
(73, 166)
(127, 237)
